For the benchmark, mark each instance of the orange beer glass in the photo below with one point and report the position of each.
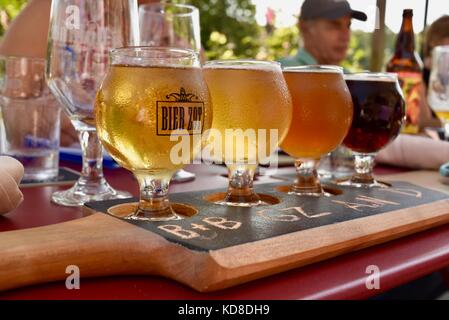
(322, 116)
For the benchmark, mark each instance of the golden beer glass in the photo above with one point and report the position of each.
(322, 116)
(252, 114)
(152, 100)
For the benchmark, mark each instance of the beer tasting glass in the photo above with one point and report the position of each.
(171, 25)
(439, 85)
(322, 115)
(379, 112)
(151, 98)
(81, 34)
(252, 114)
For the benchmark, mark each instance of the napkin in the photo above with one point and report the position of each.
(417, 152)
(11, 172)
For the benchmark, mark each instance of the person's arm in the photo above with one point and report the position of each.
(27, 35)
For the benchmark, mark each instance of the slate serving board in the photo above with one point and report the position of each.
(222, 247)
(217, 227)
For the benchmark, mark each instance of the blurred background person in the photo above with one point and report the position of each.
(325, 27)
(436, 35)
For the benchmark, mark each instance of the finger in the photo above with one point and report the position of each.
(10, 195)
(13, 167)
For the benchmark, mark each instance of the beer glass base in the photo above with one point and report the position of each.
(309, 194)
(242, 204)
(141, 215)
(79, 195)
(241, 198)
(40, 175)
(131, 211)
(367, 185)
(312, 191)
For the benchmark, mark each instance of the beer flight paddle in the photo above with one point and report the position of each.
(224, 246)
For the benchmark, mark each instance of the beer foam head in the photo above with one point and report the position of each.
(372, 76)
(315, 69)
(244, 65)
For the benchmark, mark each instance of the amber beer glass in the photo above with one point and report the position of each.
(379, 111)
(150, 98)
(251, 101)
(322, 115)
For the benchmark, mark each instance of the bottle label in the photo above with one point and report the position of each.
(412, 86)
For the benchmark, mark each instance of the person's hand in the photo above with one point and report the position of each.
(11, 172)
(69, 135)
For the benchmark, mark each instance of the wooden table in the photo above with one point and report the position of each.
(344, 277)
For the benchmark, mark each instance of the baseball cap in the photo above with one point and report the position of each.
(329, 9)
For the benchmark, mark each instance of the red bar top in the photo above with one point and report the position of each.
(343, 277)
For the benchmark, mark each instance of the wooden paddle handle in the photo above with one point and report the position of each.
(98, 245)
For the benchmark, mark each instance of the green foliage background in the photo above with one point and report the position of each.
(9, 9)
(229, 30)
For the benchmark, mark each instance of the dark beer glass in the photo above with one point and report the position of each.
(379, 112)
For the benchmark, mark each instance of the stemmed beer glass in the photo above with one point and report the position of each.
(151, 111)
(379, 112)
(322, 115)
(175, 26)
(252, 114)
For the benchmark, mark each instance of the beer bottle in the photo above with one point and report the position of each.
(408, 65)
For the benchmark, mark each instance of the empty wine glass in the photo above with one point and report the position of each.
(82, 32)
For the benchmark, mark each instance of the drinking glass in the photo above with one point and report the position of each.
(322, 115)
(82, 32)
(151, 111)
(171, 25)
(252, 114)
(379, 112)
(438, 95)
(31, 118)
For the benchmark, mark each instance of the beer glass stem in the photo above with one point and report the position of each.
(307, 182)
(92, 171)
(363, 165)
(240, 190)
(91, 186)
(153, 203)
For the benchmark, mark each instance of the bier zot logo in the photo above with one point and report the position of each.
(182, 111)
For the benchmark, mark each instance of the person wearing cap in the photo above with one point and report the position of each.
(325, 30)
